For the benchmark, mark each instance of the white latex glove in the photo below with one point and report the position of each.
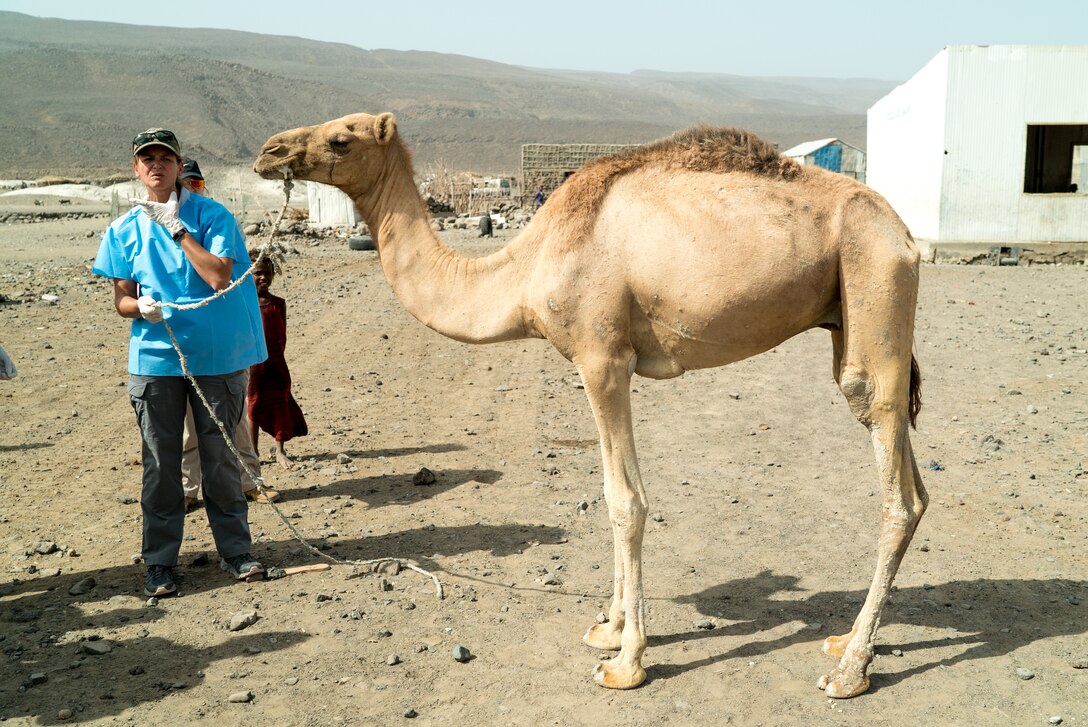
(148, 309)
(165, 213)
(7, 366)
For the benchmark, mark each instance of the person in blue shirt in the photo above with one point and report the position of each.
(178, 247)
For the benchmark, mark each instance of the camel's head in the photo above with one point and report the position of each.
(340, 152)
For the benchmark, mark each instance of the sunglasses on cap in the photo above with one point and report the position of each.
(195, 183)
(164, 137)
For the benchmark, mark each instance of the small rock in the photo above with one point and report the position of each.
(152, 602)
(240, 697)
(410, 714)
(200, 560)
(657, 517)
(1080, 663)
(242, 619)
(38, 677)
(96, 648)
(551, 580)
(49, 572)
(82, 586)
(136, 671)
(897, 652)
(462, 654)
(322, 597)
(1032, 409)
(705, 624)
(384, 634)
(343, 458)
(64, 715)
(45, 547)
(127, 500)
(291, 681)
(1056, 719)
(1025, 674)
(393, 660)
(423, 477)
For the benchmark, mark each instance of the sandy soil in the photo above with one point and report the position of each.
(762, 487)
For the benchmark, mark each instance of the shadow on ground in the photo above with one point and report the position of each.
(991, 617)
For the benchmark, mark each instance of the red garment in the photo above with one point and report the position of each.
(271, 406)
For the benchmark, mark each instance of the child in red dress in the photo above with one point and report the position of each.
(271, 406)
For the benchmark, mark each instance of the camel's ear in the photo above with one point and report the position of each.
(385, 127)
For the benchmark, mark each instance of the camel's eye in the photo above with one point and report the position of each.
(339, 144)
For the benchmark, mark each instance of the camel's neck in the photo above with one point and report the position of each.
(476, 300)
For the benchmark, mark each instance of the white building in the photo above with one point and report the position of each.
(987, 144)
(329, 206)
(831, 154)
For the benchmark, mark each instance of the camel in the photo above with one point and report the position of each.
(698, 250)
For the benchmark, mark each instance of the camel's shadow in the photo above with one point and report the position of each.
(388, 452)
(988, 615)
(384, 490)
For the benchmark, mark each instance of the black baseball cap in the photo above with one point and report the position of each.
(190, 170)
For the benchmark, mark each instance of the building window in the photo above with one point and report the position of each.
(1056, 159)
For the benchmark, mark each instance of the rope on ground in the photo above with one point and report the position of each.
(228, 437)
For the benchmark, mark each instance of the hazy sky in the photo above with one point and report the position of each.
(833, 38)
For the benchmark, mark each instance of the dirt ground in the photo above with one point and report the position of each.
(762, 540)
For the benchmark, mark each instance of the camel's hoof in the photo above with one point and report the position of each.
(842, 685)
(836, 645)
(618, 675)
(603, 636)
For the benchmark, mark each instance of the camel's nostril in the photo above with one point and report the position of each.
(274, 150)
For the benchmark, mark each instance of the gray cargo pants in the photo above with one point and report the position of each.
(159, 402)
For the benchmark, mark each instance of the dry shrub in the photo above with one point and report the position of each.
(296, 214)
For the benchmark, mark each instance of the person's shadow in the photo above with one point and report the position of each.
(992, 616)
(136, 670)
(39, 616)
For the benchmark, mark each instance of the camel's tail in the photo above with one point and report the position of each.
(915, 391)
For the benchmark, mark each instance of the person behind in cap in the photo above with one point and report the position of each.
(193, 180)
(179, 247)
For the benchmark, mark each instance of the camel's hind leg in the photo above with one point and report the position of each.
(873, 369)
(608, 380)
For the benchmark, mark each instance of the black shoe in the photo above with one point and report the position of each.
(243, 567)
(160, 581)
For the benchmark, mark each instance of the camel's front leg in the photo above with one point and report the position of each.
(608, 385)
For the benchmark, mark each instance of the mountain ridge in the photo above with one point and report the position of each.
(76, 92)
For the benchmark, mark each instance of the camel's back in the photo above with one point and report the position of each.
(712, 266)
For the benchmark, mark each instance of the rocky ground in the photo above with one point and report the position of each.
(761, 541)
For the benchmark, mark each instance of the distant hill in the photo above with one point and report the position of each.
(75, 92)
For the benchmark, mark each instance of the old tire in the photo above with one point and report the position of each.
(361, 242)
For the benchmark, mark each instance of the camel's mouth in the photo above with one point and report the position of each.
(276, 160)
(270, 166)
(281, 171)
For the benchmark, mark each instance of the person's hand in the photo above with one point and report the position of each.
(165, 213)
(151, 312)
(7, 366)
